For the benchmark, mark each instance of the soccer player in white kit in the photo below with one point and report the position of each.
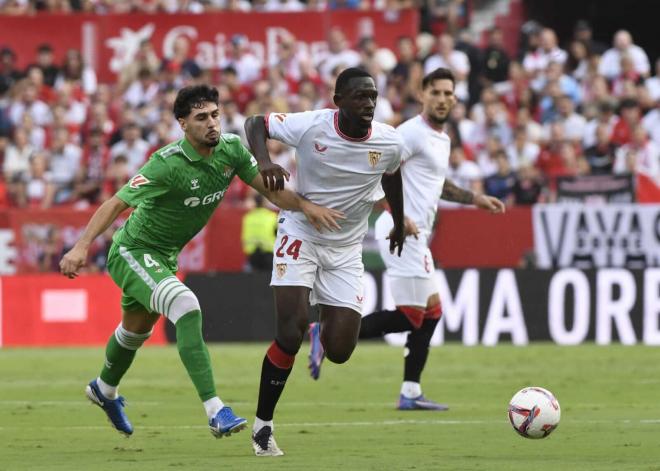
(412, 276)
(343, 158)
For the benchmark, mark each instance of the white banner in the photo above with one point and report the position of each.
(596, 236)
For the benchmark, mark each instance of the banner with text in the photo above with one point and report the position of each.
(110, 42)
(613, 235)
(596, 189)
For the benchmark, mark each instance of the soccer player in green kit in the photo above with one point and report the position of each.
(174, 195)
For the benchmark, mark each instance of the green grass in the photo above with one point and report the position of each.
(610, 398)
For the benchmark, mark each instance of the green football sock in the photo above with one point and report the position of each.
(194, 354)
(117, 361)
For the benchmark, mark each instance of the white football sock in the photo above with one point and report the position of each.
(108, 391)
(259, 424)
(212, 406)
(411, 390)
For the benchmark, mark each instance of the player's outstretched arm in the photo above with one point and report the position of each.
(100, 221)
(450, 192)
(318, 216)
(393, 188)
(273, 175)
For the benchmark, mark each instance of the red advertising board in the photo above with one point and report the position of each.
(49, 309)
(110, 41)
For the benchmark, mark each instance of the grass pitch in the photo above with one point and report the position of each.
(610, 398)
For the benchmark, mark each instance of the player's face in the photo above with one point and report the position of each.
(359, 101)
(202, 125)
(437, 100)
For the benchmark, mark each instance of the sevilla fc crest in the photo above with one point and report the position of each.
(138, 180)
(280, 269)
(374, 157)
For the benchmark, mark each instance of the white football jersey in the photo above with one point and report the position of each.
(335, 170)
(423, 169)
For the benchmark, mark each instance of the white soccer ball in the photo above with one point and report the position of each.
(534, 412)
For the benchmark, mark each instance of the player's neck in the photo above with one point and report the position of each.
(433, 124)
(201, 149)
(352, 129)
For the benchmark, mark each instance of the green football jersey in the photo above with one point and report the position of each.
(175, 193)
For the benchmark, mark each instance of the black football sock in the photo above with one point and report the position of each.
(275, 370)
(380, 323)
(418, 350)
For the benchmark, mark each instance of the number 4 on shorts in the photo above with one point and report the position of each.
(150, 262)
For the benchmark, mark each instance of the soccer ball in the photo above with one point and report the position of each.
(534, 412)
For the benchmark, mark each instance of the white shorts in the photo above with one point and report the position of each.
(415, 260)
(334, 274)
(412, 291)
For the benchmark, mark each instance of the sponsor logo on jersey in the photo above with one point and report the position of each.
(193, 201)
(374, 157)
(359, 298)
(280, 269)
(138, 180)
(194, 184)
(320, 148)
(280, 117)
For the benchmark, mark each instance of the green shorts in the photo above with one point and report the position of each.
(137, 271)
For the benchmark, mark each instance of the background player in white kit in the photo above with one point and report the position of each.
(412, 276)
(343, 157)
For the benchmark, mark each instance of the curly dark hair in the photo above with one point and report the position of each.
(193, 97)
(438, 74)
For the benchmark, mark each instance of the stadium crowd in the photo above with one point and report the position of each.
(569, 107)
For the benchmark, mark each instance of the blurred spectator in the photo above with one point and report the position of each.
(629, 119)
(232, 121)
(464, 173)
(258, 230)
(143, 90)
(145, 59)
(240, 58)
(65, 160)
(653, 83)
(117, 175)
(527, 189)
(495, 61)
(9, 73)
(91, 174)
(601, 155)
(651, 123)
(339, 54)
(522, 152)
(80, 75)
(131, 146)
(640, 155)
(535, 62)
(610, 63)
(29, 104)
(39, 189)
(584, 34)
(605, 115)
(178, 61)
(572, 122)
(457, 61)
(16, 166)
(501, 183)
(45, 61)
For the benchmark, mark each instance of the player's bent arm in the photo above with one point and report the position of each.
(319, 216)
(272, 174)
(393, 188)
(100, 221)
(450, 192)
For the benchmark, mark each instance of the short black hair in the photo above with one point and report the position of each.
(438, 74)
(193, 96)
(345, 76)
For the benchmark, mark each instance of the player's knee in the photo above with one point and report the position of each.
(290, 339)
(173, 299)
(433, 312)
(414, 315)
(130, 340)
(338, 356)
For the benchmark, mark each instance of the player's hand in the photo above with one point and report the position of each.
(273, 176)
(489, 203)
(72, 261)
(397, 237)
(410, 228)
(321, 217)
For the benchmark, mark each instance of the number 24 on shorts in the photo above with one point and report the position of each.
(293, 249)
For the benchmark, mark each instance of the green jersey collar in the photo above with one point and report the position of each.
(190, 152)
